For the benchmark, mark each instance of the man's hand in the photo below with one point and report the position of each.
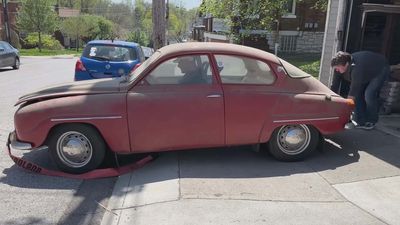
(350, 101)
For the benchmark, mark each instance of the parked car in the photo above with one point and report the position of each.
(105, 59)
(9, 56)
(147, 52)
(241, 96)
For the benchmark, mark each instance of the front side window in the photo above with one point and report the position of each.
(184, 70)
(110, 53)
(243, 70)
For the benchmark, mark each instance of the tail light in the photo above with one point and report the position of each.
(135, 67)
(79, 66)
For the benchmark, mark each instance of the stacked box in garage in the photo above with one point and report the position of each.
(390, 93)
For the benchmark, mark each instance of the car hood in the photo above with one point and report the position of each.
(97, 86)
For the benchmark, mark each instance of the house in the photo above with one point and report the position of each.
(300, 31)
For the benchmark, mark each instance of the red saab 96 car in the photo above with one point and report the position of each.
(185, 96)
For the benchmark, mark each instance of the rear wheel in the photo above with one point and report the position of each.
(77, 148)
(293, 142)
(16, 64)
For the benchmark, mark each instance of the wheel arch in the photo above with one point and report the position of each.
(269, 129)
(51, 130)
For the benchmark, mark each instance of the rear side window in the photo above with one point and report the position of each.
(110, 53)
(243, 70)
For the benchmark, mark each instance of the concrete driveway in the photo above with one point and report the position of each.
(354, 179)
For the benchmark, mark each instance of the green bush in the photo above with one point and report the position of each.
(48, 42)
(311, 68)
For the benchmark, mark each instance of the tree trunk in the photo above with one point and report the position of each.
(77, 44)
(158, 24)
(40, 41)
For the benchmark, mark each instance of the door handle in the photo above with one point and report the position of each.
(214, 96)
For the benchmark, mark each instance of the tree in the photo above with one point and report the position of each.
(37, 16)
(142, 23)
(88, 27)
(247, 15)
(74, 27)
(252, 14)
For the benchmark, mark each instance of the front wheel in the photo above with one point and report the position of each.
(76, 148)
(293, 142)
(16, 64)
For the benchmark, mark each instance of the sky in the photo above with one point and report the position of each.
(188, 4)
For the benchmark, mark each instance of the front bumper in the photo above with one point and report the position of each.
(15, 144)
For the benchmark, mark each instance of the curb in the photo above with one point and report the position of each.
(49, 57)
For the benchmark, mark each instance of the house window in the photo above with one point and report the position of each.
(291, 9)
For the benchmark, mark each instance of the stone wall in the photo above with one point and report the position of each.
(310, 42)
(306, 41)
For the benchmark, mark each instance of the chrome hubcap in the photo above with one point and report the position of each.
(293, 139)
(74, 149)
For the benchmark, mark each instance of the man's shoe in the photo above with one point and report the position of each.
(349, 126)
(366, 126)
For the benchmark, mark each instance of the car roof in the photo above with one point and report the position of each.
(110, 42)
(216, 47)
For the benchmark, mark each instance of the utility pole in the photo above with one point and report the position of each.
(158, 24)
(7, 25)
(166, 23)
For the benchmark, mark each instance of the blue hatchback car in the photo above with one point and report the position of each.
(105, 59)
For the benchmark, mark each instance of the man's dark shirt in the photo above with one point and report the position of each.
(365, 66)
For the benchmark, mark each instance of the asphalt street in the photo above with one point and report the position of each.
(36, 199)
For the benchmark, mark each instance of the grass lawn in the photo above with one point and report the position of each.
(46, 52)
(307, 62)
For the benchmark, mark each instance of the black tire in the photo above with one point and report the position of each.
(281, 148)
(83, 151)
(16, 63)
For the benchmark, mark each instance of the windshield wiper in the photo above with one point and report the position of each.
(100, 57)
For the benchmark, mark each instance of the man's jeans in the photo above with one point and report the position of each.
(367, 101)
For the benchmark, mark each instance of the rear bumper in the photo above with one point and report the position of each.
(82, 76)
(15, 144)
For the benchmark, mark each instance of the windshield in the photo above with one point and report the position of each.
(109, 53)
(144, 65)
(293, 71)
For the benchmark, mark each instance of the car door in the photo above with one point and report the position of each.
(9, 55)
(3, 55)
(250, 94)
(168, 112)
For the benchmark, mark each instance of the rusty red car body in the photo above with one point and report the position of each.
(134, 115)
